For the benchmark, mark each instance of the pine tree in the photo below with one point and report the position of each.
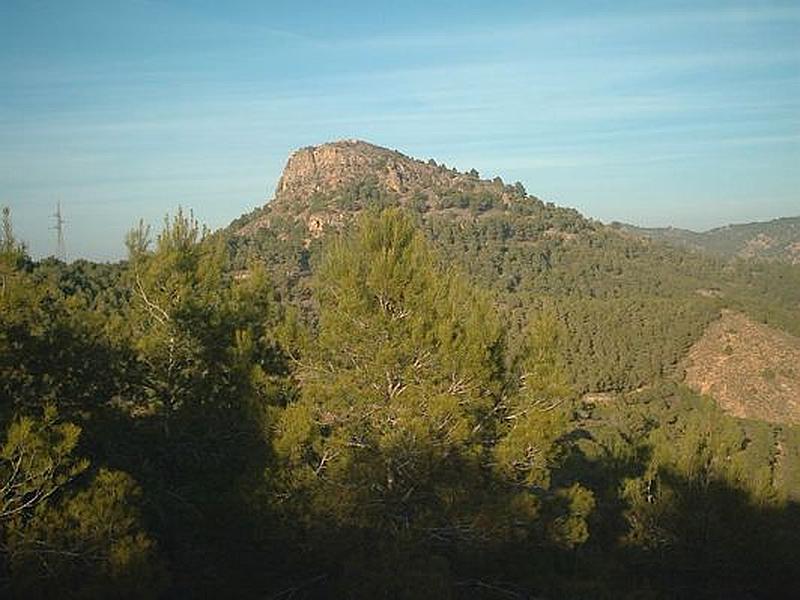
(390, 427)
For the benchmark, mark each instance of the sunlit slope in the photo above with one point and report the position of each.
(750, 369)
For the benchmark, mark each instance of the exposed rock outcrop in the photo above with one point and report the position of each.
(319, 184)
(329, 167)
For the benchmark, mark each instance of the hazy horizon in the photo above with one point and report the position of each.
(654, 114)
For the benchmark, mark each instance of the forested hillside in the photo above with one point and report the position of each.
(778, 239)
(632, 307)
(393, 381)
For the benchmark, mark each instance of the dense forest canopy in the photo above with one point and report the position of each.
(463, 394)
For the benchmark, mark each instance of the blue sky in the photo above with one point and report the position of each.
(652, 113)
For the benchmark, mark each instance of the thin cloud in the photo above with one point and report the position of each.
(557, 27)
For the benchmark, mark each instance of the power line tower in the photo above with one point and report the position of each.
(61, 246)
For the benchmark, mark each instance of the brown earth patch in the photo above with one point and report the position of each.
(751, 370)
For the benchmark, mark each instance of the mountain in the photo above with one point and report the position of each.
(630, 307)
(778, 239)
(321, 185)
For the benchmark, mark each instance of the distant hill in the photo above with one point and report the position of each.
(778, 239)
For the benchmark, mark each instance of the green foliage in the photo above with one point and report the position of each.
(406, 366)
(571, 528)
(36, 462)
(12, 254)
(87, 544)
(11, 251)
(58, 538)
(52, 350)
(631, 308)
(702, 496)
(537, 414)
(193, 327)
(385, 427)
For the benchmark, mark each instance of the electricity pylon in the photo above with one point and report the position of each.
(61, 246)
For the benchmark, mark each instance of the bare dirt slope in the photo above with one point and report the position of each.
(750, 369)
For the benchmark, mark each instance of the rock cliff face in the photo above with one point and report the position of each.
(325, 185)
(330, 167)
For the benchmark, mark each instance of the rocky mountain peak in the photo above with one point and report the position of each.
(329, 167)
(326, 185)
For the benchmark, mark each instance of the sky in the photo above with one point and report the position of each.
(653, 113)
